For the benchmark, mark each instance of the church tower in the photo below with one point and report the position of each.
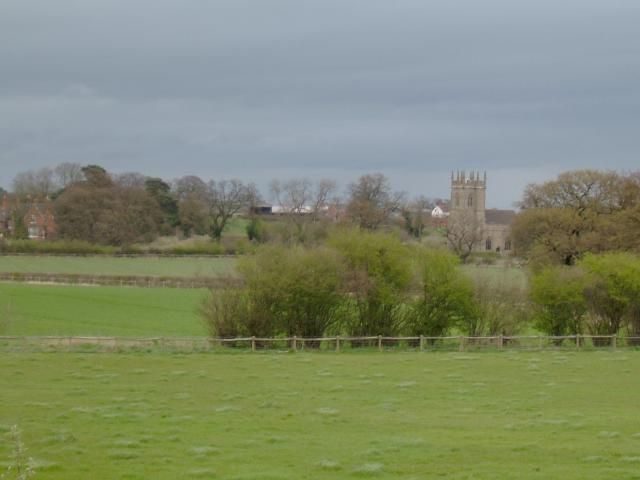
(468, 194)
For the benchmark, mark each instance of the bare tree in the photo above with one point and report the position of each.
(464, 233)
(67, 174)
(371, 201)
(224, 199)
(302, 201)
(35, 183)
(130, 179)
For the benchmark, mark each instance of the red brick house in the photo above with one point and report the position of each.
(38, 218)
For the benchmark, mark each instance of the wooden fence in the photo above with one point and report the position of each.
(326, 344)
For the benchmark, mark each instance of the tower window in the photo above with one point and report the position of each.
(470, 201)
(487, 244)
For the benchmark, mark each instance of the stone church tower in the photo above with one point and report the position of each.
(468, 195)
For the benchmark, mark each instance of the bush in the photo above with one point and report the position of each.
(445, 296)
(502, 309)
(225, 312)
(377, 274)
(286, 292)
(59, 247)
(558, 298)
(256, 231)
(613, 296)
(296, 291)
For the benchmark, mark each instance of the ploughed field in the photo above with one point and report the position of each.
(508, 415)
(119, 266)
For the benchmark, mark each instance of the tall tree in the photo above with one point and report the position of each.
(372, 201)
(192, 195)
(35, 183)
(302, 201)
(464, 233)
(67, 174)
(224, 199)
(160, 191)
(578, 212)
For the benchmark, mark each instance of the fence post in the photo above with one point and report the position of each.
(380, 343)
(577, 340)
(421, 343)
(461, 348)
(253, 344)
(337, 343)
(614, 341)
(540, 342)
(501, 341)
(295, 343)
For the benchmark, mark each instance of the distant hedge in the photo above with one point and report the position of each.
(60, 247)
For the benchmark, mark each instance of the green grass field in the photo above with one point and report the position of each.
(496, 274)
(70, 310)
(542, 415)
(146, 266)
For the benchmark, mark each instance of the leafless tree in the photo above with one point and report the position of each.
(130, 179)
(464, 233)
(372, 201)
(35, 183)
(302, 201)
(67, 174)
(224, 199)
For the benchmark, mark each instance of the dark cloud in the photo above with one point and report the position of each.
(336, 88)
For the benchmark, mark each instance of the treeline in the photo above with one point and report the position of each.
(367, 284)
(580, 212)
(92, 205)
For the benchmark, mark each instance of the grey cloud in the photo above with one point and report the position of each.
(335, 88)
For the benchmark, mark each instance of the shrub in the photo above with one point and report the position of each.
(296, 291)
(558, 298)
(256, 231)
(502, 309)
(225, 312)
(445, 295)
(613, 296)
(377, 274)
(286, 291)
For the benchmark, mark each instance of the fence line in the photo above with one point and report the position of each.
(120, 281)
(337, 343)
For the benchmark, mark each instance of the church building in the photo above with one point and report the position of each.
(493, 226)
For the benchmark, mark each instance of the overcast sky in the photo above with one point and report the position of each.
(268, 89)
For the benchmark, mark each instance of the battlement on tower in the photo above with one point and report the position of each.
(462, 179)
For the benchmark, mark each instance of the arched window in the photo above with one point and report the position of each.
(470, 201)
(487, 244)
(507, 245)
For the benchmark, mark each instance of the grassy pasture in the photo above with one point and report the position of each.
(144, 266)
(188, 267)
(71, 310)
(313, 416)
(496, 275)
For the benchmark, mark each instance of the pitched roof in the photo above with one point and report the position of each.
(499, 217)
